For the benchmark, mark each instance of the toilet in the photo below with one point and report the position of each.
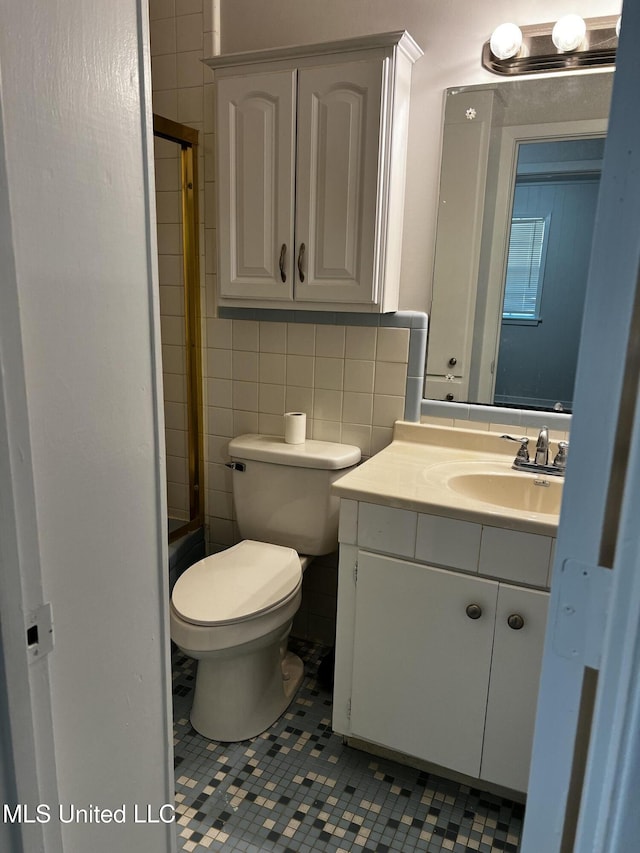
(233, 611)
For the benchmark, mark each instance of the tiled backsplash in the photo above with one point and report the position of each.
(495, 419)
(350, 380)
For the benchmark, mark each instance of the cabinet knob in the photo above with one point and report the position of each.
(449, 397)
(453, 361)
(515, 621)
(474, 611)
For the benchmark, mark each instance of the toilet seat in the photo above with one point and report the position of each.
(241, 583)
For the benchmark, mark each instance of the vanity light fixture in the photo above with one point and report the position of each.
(571, 43)
(506, 41)
(568, 33)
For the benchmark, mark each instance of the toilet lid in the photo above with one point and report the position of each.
(248, 579)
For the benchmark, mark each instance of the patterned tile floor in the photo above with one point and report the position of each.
(297, 789)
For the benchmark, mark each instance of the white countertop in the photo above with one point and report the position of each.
(409, 474)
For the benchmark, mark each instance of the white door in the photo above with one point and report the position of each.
(27, 754)
(339, 108)
(521, 616)
(256, 167)
(583, 795)
(420, 663)
(82, 506)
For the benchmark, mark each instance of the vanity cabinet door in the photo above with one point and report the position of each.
(521, 617)
(421, 660)
(339, 114)
(256, 162)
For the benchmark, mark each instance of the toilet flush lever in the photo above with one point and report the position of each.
(235, 466)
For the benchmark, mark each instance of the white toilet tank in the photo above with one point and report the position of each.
(282, 492)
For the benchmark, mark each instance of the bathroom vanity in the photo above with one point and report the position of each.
(445, 560)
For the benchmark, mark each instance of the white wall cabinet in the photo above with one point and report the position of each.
(311, 146)
(435, 663)
(255, 185)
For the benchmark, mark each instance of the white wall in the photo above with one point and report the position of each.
(77, 147)
(450, 33)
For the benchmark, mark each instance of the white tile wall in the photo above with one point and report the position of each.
(331, 372)
(512, 429)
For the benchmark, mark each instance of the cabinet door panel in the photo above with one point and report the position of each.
(336, 195)
(421, 665)
(255, 157)
(513, 689)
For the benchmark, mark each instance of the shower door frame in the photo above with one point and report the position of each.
(187, 138)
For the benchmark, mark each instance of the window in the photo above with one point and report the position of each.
(525, 269)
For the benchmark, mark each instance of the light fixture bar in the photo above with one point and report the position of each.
(538, 54)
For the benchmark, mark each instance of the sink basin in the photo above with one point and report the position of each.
(510, 489)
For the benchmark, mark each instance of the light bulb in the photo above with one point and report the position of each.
(506, 41)
(569, 32)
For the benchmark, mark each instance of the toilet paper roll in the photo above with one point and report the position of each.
(295, 427)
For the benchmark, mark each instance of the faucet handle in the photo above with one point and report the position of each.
(560, 460)
(523, 452)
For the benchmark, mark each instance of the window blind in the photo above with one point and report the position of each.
(523, 287)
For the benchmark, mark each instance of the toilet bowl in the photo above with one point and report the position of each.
(232, 612)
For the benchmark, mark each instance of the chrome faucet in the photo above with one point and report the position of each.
(560, 460)
(540, 461)
(542, 447)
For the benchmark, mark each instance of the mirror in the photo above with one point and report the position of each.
(516, 156)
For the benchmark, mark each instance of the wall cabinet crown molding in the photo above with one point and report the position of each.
(399, 40)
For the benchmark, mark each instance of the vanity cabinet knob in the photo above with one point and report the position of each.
(515, 621)
(453, 361)
(449, 397)
(474, 611)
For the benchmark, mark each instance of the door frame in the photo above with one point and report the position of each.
(586, 756)
(26, 697)
(187, 138)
